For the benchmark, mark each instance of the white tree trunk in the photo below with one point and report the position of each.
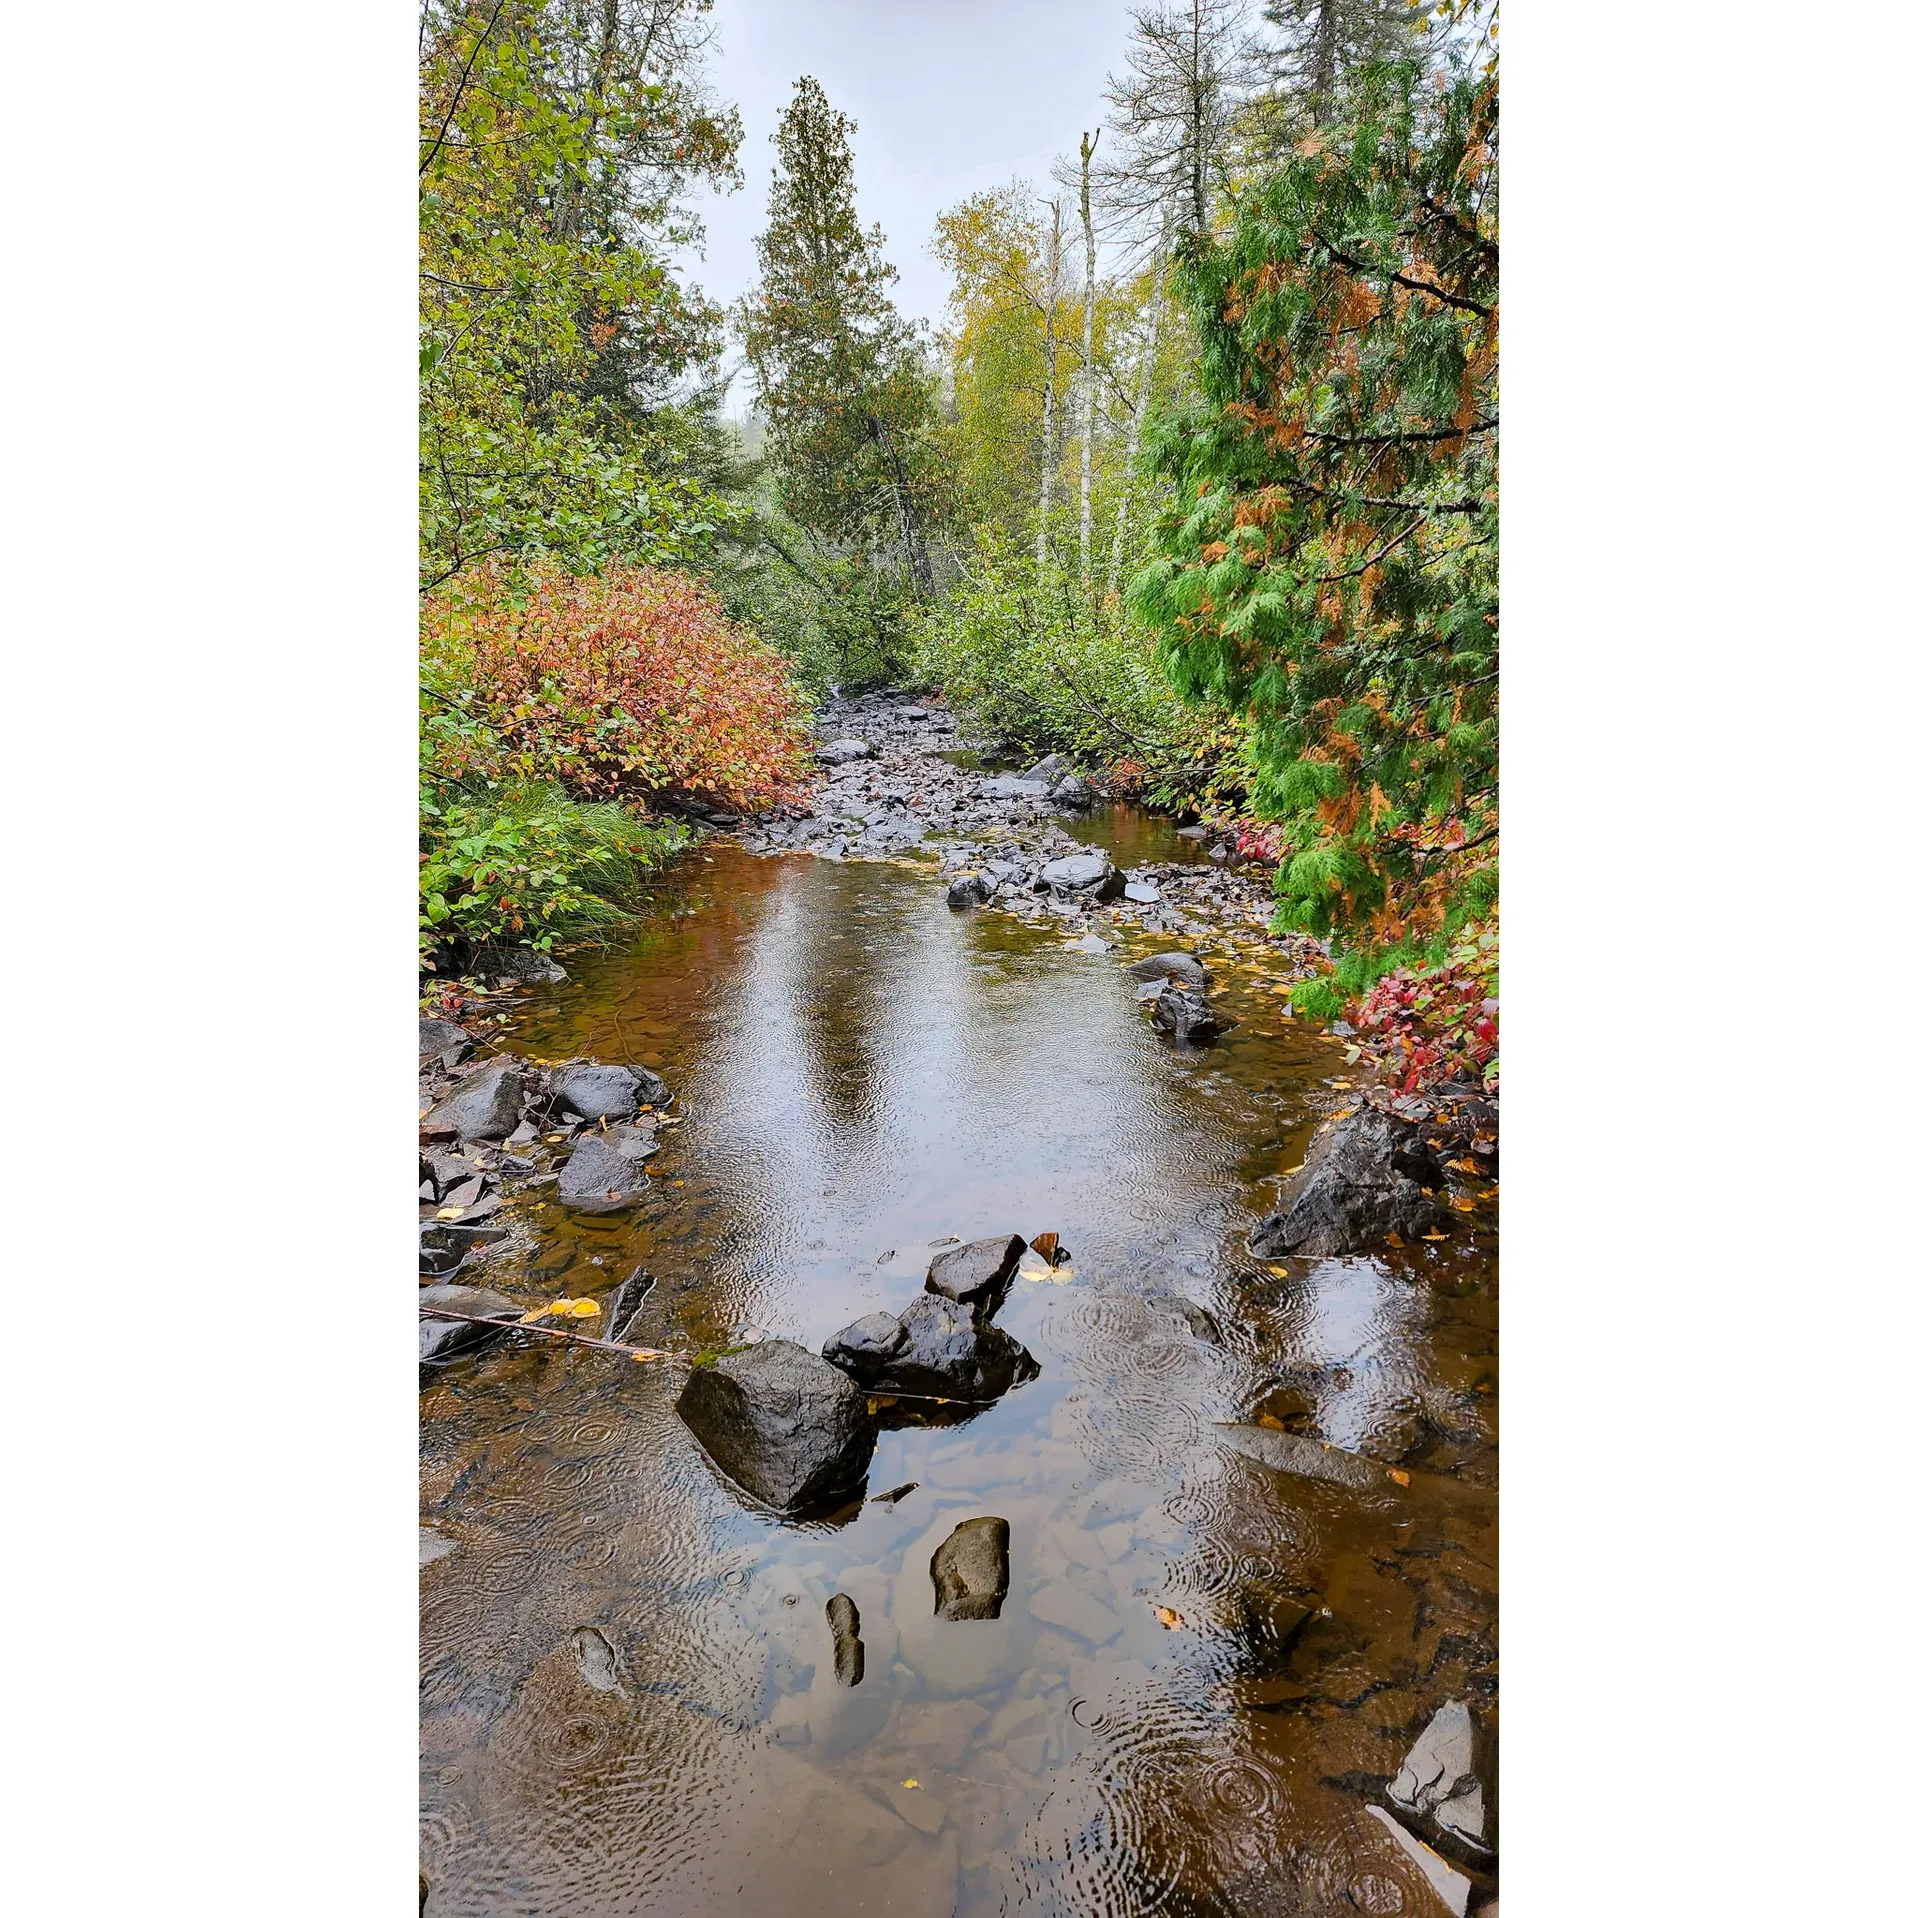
(1087, 141)
(1147, 364)
(1053, 255)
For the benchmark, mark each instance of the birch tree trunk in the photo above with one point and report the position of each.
(1053, 253)
(1087, 142)
(1147, 364)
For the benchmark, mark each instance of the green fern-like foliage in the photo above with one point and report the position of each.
(1329, 567)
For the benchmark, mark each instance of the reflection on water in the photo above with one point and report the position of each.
(1202, 1671)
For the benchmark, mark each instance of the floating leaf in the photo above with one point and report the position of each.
(1399, 1478)
(1169, 1618)
(911, 1784)
(1278, 1271)
(1047, 1246)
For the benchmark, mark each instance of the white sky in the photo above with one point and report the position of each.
(950, 95)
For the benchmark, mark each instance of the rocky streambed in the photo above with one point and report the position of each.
(1025, 1434)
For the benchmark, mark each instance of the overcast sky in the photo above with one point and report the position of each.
(950, 96)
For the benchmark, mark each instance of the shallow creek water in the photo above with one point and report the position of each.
(862, 1073)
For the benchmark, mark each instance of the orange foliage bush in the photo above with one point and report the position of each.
(627, 684)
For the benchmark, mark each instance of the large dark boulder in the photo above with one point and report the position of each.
(606, 1171)
(1181, 1013)
(1053, 766)
(593, 1091)
(979, 1274)
(1182, 967)
(442, 1340)
(972, 1569)
(1351, 1191)
(444, 1042)
(1083, 875)
(781, 1422)
(934, 1349)
(969, 889)
(484, 1105)
(1072, 792)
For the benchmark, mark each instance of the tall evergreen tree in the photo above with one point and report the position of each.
(846, 398)
(1322, 43)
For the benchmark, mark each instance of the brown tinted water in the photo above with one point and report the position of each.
(862, 1073)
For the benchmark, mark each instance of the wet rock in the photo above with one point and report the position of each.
(910, 712)
(598, 1664)
(1191, 832)
(1053, 766)
(1088, 875)
(1142, 892)
(1073, 793)
(840, 752)
(848, 1654)
(1181, 1013)
(484, 1105)
(605, 1171)
(1351, 1191)
(895, 1495)
(444, 1042)
(1199, 1322)
(593, 1091)
(445, 1248)
(442, 1340)
(1444, 1777)
(781, 1422)
(435, 1545)
(979, 1274)
(1452, 1887)
(1305, 1457)
(624, 1303)
(934, 1349)
(520, 963)
(1008, 787)
(972, 1569)
(1182, 967)
(892, 835)
(972, 889)
(1270, 1618)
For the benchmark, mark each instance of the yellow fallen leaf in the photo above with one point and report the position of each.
(640, 1358)
(1278, 1271)
(1169, 1618)
(1431, 1235)
(579, 1308)
(912, 1784)
(1400, 1478)
(450, 1212)
(1461, 1205)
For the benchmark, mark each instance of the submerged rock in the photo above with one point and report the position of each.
(593, 1091)
(484, 1105)
(442, 1340)
(979, 1274)
(598, 1664)
(971, 889)
(521, 963)
(1444, 1778)
(1453, 1888)
(1083, 874)
(445, 1248)
(972, 1569)
(1351, 1191)
(848, 1654)
(606, 1171)
(840, 752)
(443, 1041)
(936, 1348)
(1181, 1013)
(781, 1422)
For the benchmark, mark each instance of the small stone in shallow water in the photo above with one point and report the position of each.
(1185, 967)
(848, 1654)
(1442, 1777)
(978, 1274)
(605, 1172)
(444, 1339)
(484, 1105)
(594, 1091)
(973, 889)
(972, 1569)
(597, 1662)
(1182, 1013)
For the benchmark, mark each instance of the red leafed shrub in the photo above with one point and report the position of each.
(1440, 1023)
(625, 684)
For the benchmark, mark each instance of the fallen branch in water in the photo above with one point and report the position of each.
(546, 1331)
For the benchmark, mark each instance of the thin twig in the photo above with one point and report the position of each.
(549, 1331)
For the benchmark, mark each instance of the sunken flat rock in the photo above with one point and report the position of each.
(848, 1654)
(972, 1569)
(779, 1421)
(442, 1040)
(594, 1091)
(1084, 874)
(1444, 1778)
(971, 889)
(842, 752)
(1181, 1013)
(607, 1170)
(978, 1274)
(934, 1349)
(1183, 967)
(484, 1105)
(444, 1339)
(1351, 1191)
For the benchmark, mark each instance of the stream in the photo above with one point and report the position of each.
(1206, 1670)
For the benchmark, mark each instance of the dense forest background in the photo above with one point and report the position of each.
(1197, 481)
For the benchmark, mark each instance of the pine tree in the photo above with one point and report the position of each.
(1330, 567)
(846, 399)
(1323, 43)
